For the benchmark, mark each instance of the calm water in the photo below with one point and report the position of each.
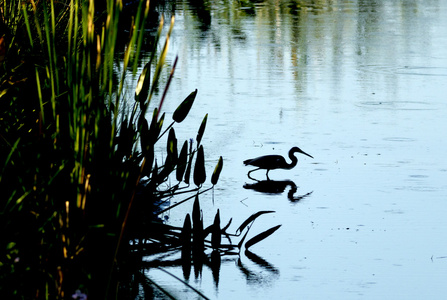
(359, 85)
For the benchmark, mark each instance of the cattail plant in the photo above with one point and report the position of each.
(80, 183)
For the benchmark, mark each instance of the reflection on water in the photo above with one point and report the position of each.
(361, 85)
(256, 273)
(277, 187)
(268, 274)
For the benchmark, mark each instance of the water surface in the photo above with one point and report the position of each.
(361, 86)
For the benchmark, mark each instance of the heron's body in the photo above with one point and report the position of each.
(271, 162)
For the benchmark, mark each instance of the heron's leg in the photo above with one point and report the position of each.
(268, 174)
(252, 171)
(252, 177)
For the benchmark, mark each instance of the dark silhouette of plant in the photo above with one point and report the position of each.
(81, 184)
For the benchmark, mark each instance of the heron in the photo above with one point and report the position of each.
(270, 162)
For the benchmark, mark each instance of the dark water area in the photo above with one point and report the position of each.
(359, 85)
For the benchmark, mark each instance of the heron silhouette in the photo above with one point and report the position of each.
(271, 162)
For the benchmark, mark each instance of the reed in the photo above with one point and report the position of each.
(79, 179)
(70, 167)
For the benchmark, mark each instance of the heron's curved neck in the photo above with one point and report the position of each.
(294, 160)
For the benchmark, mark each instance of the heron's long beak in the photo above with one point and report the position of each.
(301, 151)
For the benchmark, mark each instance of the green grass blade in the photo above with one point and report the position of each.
(161, 60)
(8, 158)
(27, 25)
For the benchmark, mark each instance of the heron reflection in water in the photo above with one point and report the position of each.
(276, 187)
(271, 162)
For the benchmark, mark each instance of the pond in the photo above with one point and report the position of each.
(359, 85)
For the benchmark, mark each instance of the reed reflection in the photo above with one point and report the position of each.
(268, 274)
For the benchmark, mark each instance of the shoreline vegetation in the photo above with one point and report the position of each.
(80, 184)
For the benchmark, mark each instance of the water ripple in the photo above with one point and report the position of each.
(398, 139)
(405, 70)
(396, 105)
